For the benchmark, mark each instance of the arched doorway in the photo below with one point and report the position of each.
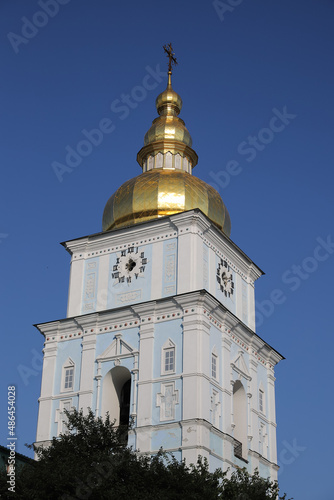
(124, 404)
(116, 395)
(240, 420)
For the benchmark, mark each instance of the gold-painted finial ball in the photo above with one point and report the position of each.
(169, 102)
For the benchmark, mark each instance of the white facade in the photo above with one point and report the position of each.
(161, 324)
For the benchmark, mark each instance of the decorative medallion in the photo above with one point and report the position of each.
(129, 265)
(225, 278)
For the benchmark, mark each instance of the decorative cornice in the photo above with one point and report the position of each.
(194, 304)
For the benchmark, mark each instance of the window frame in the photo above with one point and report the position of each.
(261, 400)
(169, 359)
(68, 365)
(214, 356)
(168, 347)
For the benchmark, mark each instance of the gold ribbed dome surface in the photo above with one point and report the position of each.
(166, 128)
(159, 193)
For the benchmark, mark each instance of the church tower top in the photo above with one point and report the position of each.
(166, 185)
(168, 130)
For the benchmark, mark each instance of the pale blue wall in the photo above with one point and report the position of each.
(235, 348)
(242, 464)
(129, 335)
(216, 445)
(139, 290)
(163, 331)
(55, 406)
(264, 470)
(68, 349)
(167, 438)
(156, 409)
(215, 463)
(103, 341)
(178, 455)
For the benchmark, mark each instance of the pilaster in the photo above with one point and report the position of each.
(88, 355)
(271, 415)
(75, 287)
(47, 387)
(196, 361)
(145, 313)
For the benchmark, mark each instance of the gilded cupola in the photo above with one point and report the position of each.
(166, 185)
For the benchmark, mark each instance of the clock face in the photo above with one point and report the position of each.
(225, 278)
(130, 265)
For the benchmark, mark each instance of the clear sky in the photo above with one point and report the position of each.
(257, 80)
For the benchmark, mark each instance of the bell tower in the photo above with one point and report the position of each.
(160, 324)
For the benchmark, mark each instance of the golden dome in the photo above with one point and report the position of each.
(166, 185)
(168, 126)
(169, 102)
(162, 192)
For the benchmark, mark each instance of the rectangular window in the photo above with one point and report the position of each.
(169, 360)
(261, 398)
(214, 366)
(68, 382)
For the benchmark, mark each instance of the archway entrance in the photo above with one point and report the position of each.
(116, 395)
(240, 420)
(124, 409)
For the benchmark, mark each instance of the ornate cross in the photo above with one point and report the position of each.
(170, 54)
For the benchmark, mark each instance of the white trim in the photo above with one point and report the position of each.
(240, 366)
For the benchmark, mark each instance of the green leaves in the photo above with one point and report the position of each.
(92, 461)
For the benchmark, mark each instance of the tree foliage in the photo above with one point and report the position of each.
(92, 461)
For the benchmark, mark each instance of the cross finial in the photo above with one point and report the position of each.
(170, 54)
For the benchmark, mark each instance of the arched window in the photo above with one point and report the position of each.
(116, 395)
(240, 420)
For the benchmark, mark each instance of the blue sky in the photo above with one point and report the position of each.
(241, 64)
